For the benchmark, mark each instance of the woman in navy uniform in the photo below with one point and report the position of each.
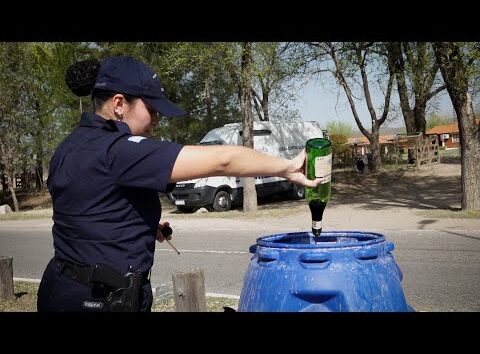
(104, 180)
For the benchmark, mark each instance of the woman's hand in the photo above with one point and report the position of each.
(160, 237)
(296, 171)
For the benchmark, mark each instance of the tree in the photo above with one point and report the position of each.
(14, 114)
(245, 89)
(196, 76)
(274, 66)
(459, 65)
(415, 71)
(351, 59)
(48, 97)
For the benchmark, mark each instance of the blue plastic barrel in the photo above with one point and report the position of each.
(338, 271)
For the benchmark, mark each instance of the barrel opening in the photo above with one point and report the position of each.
(340, 239)
(306, 240)
(317, 239)
(328, 239)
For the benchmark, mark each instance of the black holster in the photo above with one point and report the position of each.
(126, 299)
(125, 294)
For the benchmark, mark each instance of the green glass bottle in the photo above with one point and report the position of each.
(318, 165)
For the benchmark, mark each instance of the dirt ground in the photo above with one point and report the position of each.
(31, 200)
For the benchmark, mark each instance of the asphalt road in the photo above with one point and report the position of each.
(441, 269)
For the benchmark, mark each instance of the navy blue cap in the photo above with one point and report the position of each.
(127, 75)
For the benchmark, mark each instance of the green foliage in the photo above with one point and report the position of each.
(340, 128)
(15, 114)
(339, 132)
(39, 109)
(275, 66)
(204, 86)
(437, 119)
(339, 144)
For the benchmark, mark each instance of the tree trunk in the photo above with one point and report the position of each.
(470, 151)
(4, 185)
(257, 106)
(470, 155)
(419, 114)
(249, 191)
(397, 65)
(39, 175)
(208, 103)
(12, 192)
(266, 116)
(209, 114)
(454, 72)
(249, 195)
(376, 161)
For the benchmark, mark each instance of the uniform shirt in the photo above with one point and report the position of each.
(104, 184)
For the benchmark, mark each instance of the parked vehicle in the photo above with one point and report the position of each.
(220, 193)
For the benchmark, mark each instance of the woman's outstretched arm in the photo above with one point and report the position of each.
(205, 161)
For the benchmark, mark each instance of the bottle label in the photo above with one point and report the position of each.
(323, 168)
(317, 224)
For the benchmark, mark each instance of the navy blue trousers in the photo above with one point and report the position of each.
(60, 293)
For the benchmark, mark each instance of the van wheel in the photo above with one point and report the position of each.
(185, 209)
(298, 192)
(222, 201)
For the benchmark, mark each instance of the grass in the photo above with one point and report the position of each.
(25, 298)
(449, 152)
(214, 304)
(26, 301)
(450, 214)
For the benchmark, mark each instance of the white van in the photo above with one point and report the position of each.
(220, 193)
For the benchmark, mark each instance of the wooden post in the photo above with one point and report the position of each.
(6, 278)
(189, 291)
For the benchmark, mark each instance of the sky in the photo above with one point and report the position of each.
(326, 104)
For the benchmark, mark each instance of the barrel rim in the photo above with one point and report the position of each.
(264, 242)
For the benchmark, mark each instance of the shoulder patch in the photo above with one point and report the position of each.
(136, 138)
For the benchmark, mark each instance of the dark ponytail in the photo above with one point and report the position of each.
(80, 79)
(81, 76)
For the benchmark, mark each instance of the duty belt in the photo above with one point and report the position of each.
(98, 273)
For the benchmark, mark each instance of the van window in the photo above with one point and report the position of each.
(259, 132)
(212, 138)
(211, 142)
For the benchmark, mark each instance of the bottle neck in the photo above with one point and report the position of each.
(316, 228)
(317, 225)
(317, 208)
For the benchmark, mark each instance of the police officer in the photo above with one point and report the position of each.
(104, 180)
